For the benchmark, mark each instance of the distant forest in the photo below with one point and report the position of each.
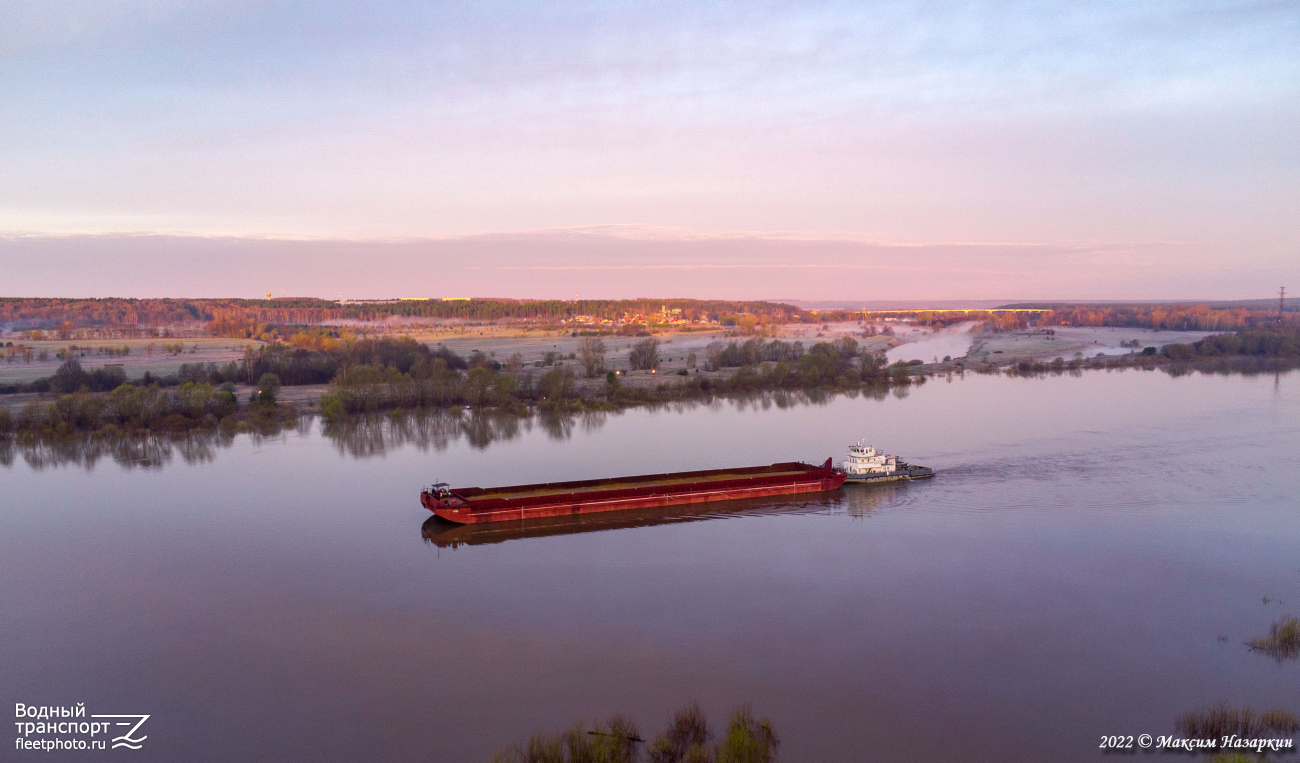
(249, 318)
(1186, 317)
(271, 319)
(1170, 317)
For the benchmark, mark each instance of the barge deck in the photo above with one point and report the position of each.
(552, 499)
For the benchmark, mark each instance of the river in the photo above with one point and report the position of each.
(1089, 561)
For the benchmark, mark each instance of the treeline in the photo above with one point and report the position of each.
(48, 313)
(1179, 317)
(1170, 317)
(1276, 343)
(319, 358)
(823, 362)
(932, 318)
(736, 354)
(130, 409)
(433, 381)
(244, 317)
(268, 319)
(1247, 352)
(380, 374)
(293, 364)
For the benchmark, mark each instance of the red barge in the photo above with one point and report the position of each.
(554, 499)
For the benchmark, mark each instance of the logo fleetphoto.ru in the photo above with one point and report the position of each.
(128, 739)
(55, 727)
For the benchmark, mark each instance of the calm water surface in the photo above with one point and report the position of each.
(1089, 562)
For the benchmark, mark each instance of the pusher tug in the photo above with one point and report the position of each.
(866, 464)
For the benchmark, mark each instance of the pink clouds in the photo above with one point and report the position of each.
(622, 262)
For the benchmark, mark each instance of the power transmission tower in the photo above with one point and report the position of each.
(1281, 302)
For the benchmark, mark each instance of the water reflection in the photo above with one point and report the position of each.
(138, 451)
(135, 452)
(375, 434)
(371, 435)
(858, 501)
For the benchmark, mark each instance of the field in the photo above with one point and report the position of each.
(497, 342)
(1067, 341)
(151, 355)
(164, 357)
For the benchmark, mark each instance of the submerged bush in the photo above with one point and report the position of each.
(686, 740)
(1220, 721)
(614, 741)
(1282, 641)
(748, 740)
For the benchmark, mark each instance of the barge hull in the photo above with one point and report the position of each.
(474, 505)
(566, 508)
(910, 473)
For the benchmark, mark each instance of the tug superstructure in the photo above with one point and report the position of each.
(866, 464)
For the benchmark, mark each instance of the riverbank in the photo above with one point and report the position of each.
(42, 436)
(173, 361)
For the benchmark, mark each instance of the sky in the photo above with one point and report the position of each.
(900, 150)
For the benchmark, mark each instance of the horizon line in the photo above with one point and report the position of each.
(616, 231)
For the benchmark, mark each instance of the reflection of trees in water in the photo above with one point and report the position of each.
(143, 452)
(784, 399)
(374, 434)
(368, 435)
(133, 451)
(557, 426)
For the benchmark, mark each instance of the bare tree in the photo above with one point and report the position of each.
(591, 351)
(514, 364)
(714, 351)
(644, 355)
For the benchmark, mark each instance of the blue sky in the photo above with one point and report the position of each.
(1035, 150)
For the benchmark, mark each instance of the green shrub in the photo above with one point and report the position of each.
(268, 389)
(331, 407)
